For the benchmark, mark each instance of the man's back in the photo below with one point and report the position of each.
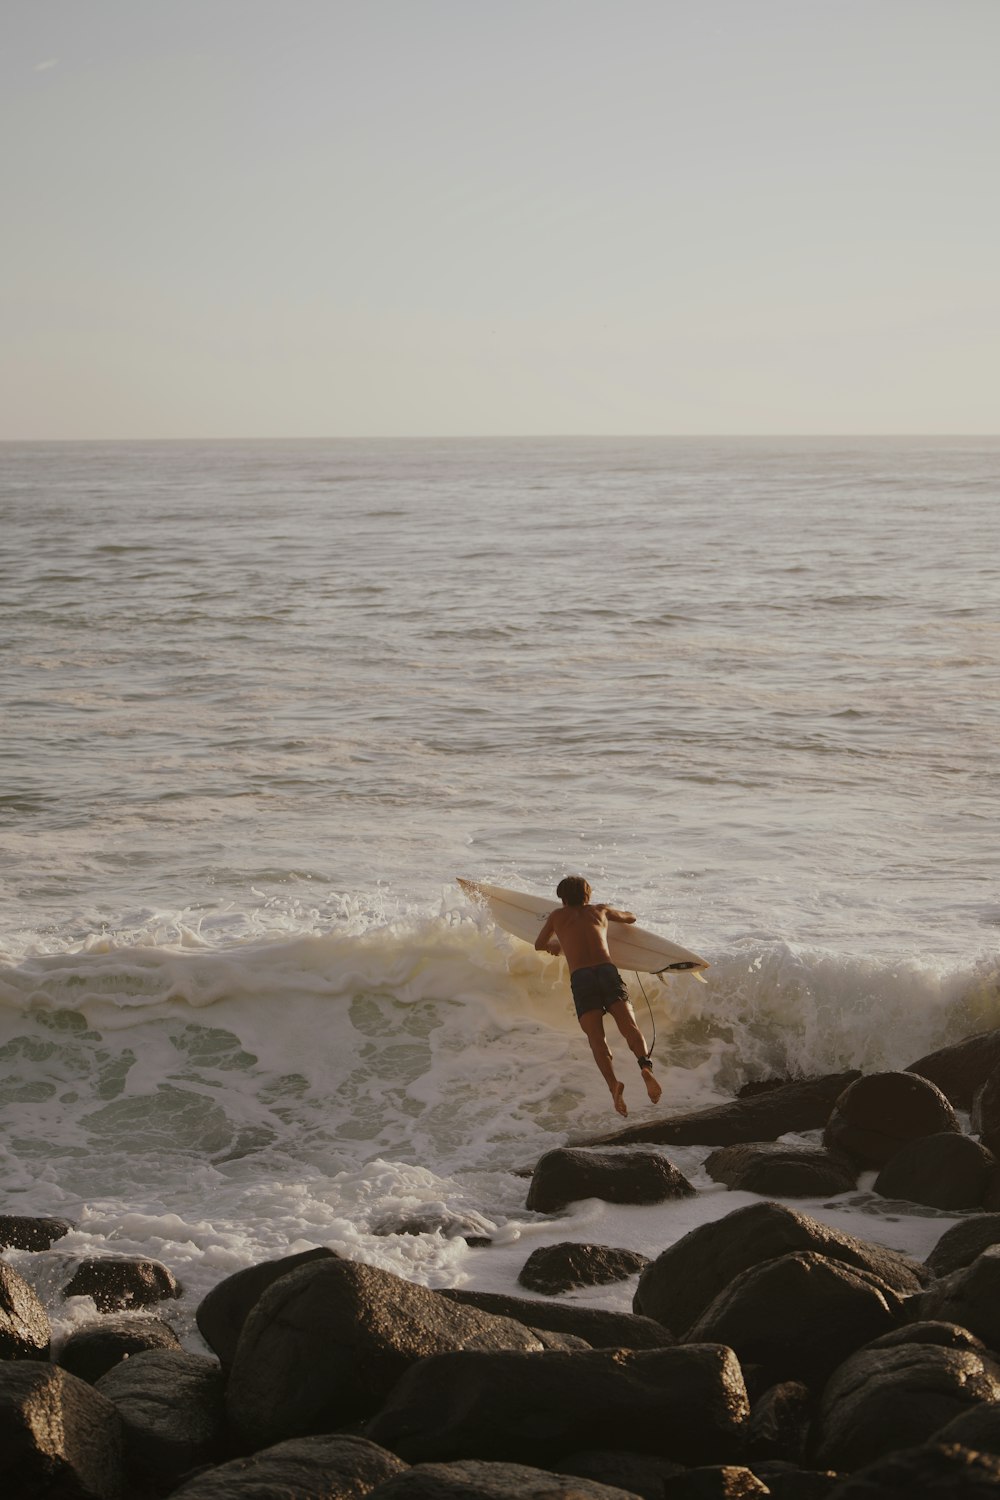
(583, 933)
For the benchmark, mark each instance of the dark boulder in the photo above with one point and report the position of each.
(59, 1438)
(969, 1297)
(119, 1282)
(600, 1328)
(324, 1345)
(18, 1233)
(311, 1468)
(789, 1482)
(876, 1115)
(223, 1311)
(777, 1170)
(96, 1348)
(943, 1171)
(800, 1316)
(947, 1335)
(934, 1471)
(886, 1398)
(25, 1331)
(641, 1474)
(552, 1269)
(986, 1111)
(687, 1404)
(963, 1242)
(475, 1479)
(779, 1422)
(680, 1283)
(172, 1410)
(715, 1482)
(961, 1068)
(977, 1427)
(762, 1116)
(437, 1219)
(566, 1175)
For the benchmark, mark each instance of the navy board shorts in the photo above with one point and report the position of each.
(597, 987)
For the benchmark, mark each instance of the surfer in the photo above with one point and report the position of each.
(580, 932)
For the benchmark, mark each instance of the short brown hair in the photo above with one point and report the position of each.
(573, 890)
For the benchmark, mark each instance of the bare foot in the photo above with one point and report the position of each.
(618, 1095)
(652, 1087)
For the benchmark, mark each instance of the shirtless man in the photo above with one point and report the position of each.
(580, 932)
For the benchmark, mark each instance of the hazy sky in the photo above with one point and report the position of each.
(334, 217)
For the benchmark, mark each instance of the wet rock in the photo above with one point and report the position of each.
(948, 1335)
(886, 1398)
(877, 1115)
(641, 1474)
(679, 1284)
(172, 1412)
(789, 1482)
(686, 1404)
(310, 1468)
(779, 1422)
(59, 1438)
(552, 1269)
(96, 1348)
(969, 1297)
(943, 1171)
(715, 1482)
(601, 1329)
(118, 1282)
(221, 1314)
(962, 1243)
(804, 1105)
(325, 1344)
(436, 1218)
(986, 1111)
(777, 1170)
(566, 1175)
(18, 1233)
(962, 1068)
(25, 1331)
(977, 1427)
(934, 1470)
(800, 1316)
(475, 1479)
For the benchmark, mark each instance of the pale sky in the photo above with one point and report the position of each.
(269, 218)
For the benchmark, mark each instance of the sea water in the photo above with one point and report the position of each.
(263, 701)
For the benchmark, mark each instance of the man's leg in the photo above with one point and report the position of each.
(625, 1020)
(592, 1022)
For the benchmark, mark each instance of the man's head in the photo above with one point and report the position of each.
(573, 890)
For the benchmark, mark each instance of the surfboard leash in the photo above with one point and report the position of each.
(652, 1018)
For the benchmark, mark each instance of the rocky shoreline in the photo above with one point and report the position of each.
(766, 1353)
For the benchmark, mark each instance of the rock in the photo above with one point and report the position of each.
(800, 1316)
(781, 1171)
(312, 1468)
(552, 1269)
(960, 1245)
(31, 1234)
(96, 1348)
(886, 1398)
(223, 1311)
(715, 1482)
(948, 1335)
(600, 1328)
(962, 1068)
(986, 1111)
(436, 1218)
(566, 1175)
(789, 1482)
(687, 1404)
(325, 1344)
(943, 1171)
(679, 1284)
(641, 1474)
(934, 1470)
(478, 1480)
(59, 1438)
(969, 1297)
(117, 1282)
(172, 1412)
(876, 1115)
(779, 1422)
(25, 1331)
(977, 1427)
(805, 1105)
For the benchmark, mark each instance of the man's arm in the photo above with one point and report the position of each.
(614, 915)
(546, 941)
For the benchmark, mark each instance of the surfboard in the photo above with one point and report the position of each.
(631, 947)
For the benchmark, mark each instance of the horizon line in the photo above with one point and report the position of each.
(486, 437)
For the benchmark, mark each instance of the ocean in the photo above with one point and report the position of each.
(263, 701)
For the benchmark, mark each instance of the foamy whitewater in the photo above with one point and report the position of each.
(263, 701)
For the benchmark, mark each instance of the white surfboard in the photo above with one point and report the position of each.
(632, 948)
